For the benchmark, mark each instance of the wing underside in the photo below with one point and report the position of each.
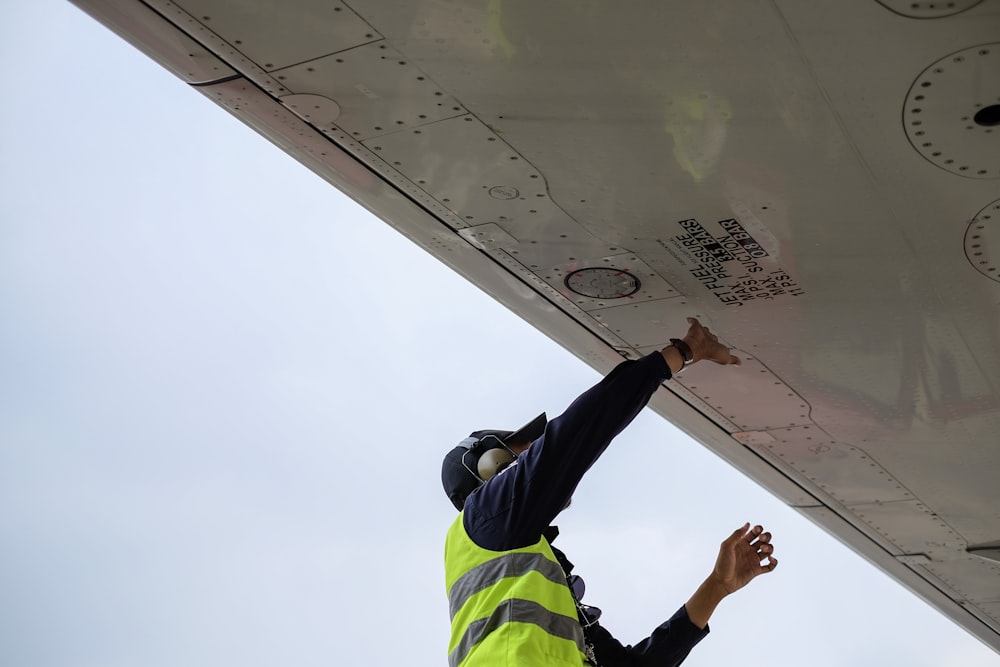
(819, 182)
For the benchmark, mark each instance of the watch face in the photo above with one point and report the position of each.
(602, 283)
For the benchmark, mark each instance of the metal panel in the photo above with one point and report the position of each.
(650, 287)
(551, 258)
(951, 111)
(378, 90)
(320, 112)
(917, 578)
(462, 163)
(982, 241)
(643, 324)
(845, 472)
(928, 10)
(488, 237)
(913, 528)
(276, 34)
(989, 552)
(975, 580)
(755, 399)
(988, 613)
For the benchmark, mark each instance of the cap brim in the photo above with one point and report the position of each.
(529, 432)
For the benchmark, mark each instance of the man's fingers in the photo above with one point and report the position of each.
(743, 534)
(706, 345)
(769, 566)
(738, 534)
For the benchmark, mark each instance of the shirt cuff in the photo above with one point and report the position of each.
(659, 363)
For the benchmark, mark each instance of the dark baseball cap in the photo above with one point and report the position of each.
(457, 469)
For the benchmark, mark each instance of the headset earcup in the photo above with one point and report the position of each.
(493, 461)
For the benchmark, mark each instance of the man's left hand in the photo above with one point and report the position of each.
(744, 555)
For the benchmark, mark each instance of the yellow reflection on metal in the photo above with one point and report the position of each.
(494, 9)
(697, 122)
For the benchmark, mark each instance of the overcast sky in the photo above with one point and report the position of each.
(225, 391)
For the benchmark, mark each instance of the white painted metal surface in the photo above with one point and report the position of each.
(606, 169)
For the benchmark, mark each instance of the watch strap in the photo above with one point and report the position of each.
(684, 349)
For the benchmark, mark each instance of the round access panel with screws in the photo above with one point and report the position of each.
(982, 241)
(602, 283)
(952, 112)
(928, 9)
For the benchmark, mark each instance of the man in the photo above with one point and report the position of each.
(513, 599)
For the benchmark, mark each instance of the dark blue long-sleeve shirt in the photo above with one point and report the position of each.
(515, 508)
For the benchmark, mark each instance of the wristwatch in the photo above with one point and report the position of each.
(684, 349)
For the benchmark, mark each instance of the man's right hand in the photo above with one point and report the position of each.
(705, 345)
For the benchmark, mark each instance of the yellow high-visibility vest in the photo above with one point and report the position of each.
(509, 607)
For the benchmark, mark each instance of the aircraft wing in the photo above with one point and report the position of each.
(819, 182)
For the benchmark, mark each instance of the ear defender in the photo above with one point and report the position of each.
(493, 461)
(482, 456)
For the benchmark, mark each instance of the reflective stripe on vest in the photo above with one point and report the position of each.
(521, 611)
(492, 571)
(509, 607)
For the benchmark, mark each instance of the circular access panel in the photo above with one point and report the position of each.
(928, 9)
(504, 192)
(982, 241)
(602, 283)
(952, 112)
